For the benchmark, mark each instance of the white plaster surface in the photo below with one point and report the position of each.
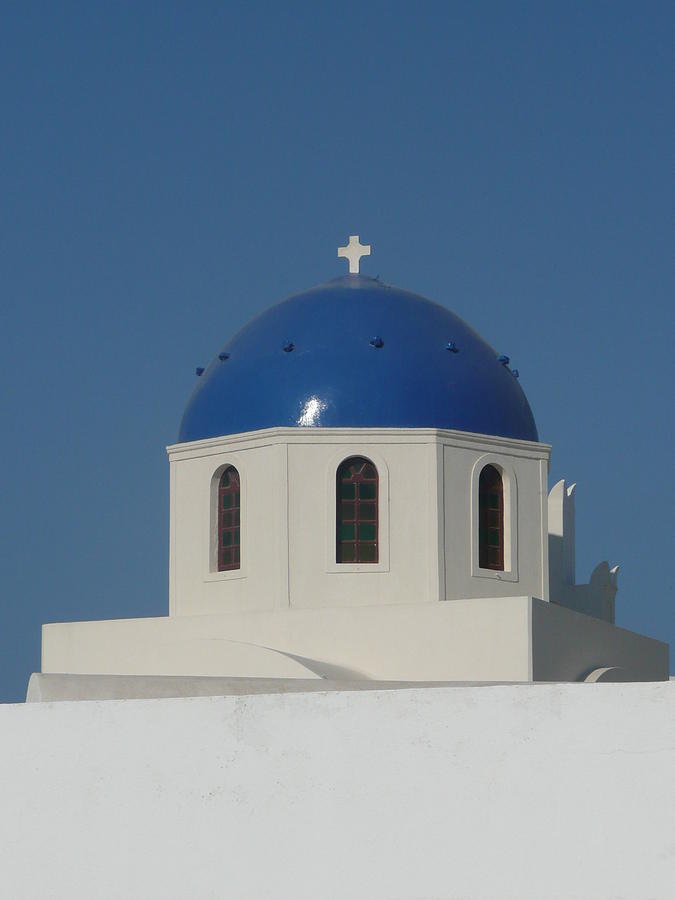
(478, 640)
(458, 793)
(489, 639)
(45, 688)
(595, 598)
(524, 471)
(427, 515)
(564, 642)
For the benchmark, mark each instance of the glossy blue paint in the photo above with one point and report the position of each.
(333, 378)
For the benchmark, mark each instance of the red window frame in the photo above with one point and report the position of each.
(357, 511)
(229, 520)
(491, 520)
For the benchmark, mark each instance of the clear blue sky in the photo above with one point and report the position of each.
(168, 170)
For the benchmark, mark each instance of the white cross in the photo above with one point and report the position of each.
(353, 252)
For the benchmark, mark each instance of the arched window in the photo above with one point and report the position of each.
(357, 490)
(491, 520)
(229, 510)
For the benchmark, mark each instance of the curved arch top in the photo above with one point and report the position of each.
(357, 353)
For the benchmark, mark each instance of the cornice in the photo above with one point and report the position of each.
(309, 435)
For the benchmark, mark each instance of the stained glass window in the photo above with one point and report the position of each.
(491, 520)
(357, 508)
(229, 520)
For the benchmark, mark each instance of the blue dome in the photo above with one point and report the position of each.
(357, 353)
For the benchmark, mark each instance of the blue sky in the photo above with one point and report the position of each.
(169, 170)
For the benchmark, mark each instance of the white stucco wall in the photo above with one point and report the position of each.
(524, 470)
(487, 640)
(428, 527)
(563, 792)
(564, 642)
(408, 567)
(262, 582)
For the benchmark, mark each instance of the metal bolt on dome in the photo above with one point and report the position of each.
(199, 371)
(504, 360)
(288, 346)
(223, 356)
(376, 342)
(452, 347)
(515, 373)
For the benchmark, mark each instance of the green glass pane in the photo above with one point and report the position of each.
(368, 491)
(369, 471)
(493, 538)
(482, 535)
(226, 557)
(367, 512)
(236, 555)
(355, 468)
(346, 553)
(347, 511)
(347, 532)
(367, 532)
(494, 518)
(236, 499)
(227, 501)
(348, 491)
(368, 553)
(227, 538)
(226, 519)
(494, 501)
(236, 537)
(236, 517)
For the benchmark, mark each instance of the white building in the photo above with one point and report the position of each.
(359, 522)
(359, 493)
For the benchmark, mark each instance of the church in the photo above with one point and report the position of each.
(359, 493)
(378, 678)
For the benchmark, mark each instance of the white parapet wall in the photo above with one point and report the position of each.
(519, 791)
(491, 639)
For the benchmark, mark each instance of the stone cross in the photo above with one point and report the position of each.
(353, 252)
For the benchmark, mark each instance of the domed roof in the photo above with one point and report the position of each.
(355, 352)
